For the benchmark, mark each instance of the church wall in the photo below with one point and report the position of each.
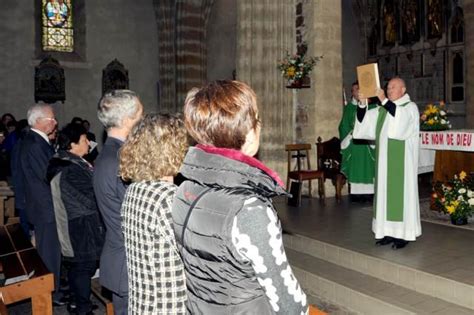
(425, 64)
(119, 29)
(221, 40)
(469, 16)
(352, 53)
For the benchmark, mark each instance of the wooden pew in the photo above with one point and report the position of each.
(22, 265)
(103, 295)
(3, 308)
(313, 310)
(7, 203)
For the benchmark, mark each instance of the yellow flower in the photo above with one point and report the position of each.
(462, 175)
(450, 209)
(430, 121)
(290, 72)
(452, 206)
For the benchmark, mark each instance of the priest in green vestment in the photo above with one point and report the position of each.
(395, 128)
(358, 156)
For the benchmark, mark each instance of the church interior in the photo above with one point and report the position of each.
(161, 49)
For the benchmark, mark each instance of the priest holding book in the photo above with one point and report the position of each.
(395, 128)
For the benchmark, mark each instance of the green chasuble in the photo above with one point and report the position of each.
(396, 204)
(395, 170)
(358, 157)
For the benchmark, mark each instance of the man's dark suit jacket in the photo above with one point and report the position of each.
(35, 154)
(109, 191)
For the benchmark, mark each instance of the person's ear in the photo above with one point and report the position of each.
(252, 142)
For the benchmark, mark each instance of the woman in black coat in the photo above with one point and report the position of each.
(80, 228)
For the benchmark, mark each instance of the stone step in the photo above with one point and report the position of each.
(361, 293)
(402, 276)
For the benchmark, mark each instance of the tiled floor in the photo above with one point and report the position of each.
(441, 250)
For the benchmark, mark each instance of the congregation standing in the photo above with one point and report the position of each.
(209, 240)
(126, 212)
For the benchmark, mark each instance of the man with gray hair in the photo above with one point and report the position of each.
(119, 111)
(35, 152)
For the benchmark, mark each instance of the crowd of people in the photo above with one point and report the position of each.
(180, 229)
(205, 242)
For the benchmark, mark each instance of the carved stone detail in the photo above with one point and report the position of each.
(114, 77)
(49, 81)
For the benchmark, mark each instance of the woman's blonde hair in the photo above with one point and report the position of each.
(155, 148)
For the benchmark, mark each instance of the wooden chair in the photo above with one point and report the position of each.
(329, 162)
(301, 173)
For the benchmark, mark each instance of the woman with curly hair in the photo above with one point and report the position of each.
(150, 157)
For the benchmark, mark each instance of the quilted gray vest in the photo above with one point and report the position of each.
(219, 281)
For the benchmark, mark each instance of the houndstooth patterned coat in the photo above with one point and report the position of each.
(156, 280)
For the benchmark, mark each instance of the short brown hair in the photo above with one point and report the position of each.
(155, 148)
(221, 113)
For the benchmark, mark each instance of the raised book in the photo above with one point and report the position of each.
(368, 77)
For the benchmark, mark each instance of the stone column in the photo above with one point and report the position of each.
(468, 8)
(324, 101)
(265, 31)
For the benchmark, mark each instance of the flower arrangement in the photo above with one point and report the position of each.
(434, 117)
(456, 198)
(296, 67)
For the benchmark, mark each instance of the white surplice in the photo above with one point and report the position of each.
(405, 128)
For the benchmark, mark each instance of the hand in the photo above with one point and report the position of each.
(380, 94)
(363, 102)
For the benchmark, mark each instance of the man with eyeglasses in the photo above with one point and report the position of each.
(35, 153)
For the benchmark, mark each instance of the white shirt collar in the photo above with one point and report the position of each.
(402, 100)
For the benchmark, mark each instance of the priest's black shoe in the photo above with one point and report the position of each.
(399, 243)
(384, 241)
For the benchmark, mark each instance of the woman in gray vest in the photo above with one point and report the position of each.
(225, 225)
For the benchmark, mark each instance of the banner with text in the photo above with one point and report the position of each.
(451, 140)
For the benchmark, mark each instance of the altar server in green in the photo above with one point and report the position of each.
(395, 128)
(358, 156)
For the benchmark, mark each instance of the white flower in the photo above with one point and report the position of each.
(471, 202)
(436, 118)
(462, 191)
(460, 198)
(442, 113)
(470, 193)
(443, 121)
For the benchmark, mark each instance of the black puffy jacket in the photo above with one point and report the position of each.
(80, 228)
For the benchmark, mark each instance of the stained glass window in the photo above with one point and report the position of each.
(57, 25)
